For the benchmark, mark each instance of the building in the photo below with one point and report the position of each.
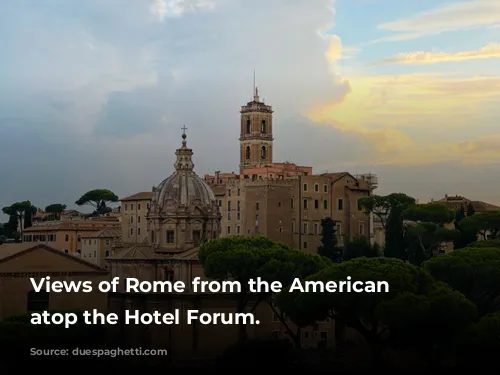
(97, 246)
(457, 201)
(133, 210)
(22, 261)
(66, 234)
(284, 201)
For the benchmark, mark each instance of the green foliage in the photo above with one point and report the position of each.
(429, 212)
(464, 237)
(98, 198)
(80, 342)
(485, 243)
(55, 210)
(329, 246)
(475, 272)
(417, 310)
(481, 222)
(23, 211)
(360, 247)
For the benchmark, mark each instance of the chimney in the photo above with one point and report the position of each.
(217, 174)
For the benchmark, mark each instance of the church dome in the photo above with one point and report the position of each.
(183, 190)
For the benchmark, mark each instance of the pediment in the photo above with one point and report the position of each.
(42, 258)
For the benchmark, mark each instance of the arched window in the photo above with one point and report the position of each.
(247, 152)
(249, 127)
(38, 301)
(263, 152)
(263, 127)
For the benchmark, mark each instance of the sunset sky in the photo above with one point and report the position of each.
(94, 93)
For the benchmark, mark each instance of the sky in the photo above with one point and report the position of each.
(93, 94)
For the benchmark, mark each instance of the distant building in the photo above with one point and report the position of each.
(97, 246)
(458, 201)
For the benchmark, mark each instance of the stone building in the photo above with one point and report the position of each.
(21, 261)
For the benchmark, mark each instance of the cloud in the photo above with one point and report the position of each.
(174, 8)
(489, 51)
(402, 119)
(450, 17)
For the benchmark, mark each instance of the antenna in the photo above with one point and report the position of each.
(253, 82)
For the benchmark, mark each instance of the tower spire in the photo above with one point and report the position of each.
(184, 155)
(255, 89)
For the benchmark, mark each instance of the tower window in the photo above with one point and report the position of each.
(263, 152)
(249, 127)
(170, 236)
(247, 153)
(263, 126)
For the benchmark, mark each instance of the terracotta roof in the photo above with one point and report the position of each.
(143, 196)
(11, 250)
(335, 176)
(104, 233)
(70, 226)
(457, 201)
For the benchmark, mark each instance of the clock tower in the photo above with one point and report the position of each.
(256, 134)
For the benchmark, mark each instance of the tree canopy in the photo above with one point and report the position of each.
(243, 258)
(329, 247)
(99, 199)
(475, 272)
(483, 222)
(55, 210)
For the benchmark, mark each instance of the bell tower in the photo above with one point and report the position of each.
(256, 134)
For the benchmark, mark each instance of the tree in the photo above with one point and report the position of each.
(389, 209)
(414, 299)
(242, 258)
(483, 223)
(470, 210)
(23, 211)
(99, 199)
(427, 230)
(485, 243)
(464, 237)
(475, 272)
(12, 225)
(329, 248)
(55, 210)
(360, 247)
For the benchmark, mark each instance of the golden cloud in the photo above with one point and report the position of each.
(384, 110)
(490, 51)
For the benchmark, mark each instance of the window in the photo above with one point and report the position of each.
(138, 219)
(316, 204)
(325, 204)
(131, 219)
(107, 242)
(228, 230)
(132, 206)
(362, 229)
(170, 236)
(138, 231)
(138, 206)
(220, 202)
(238, 216)
(341, 204)
(126, 207)
(247, 153)
(325, 188)
(279, 204)
(305, 187)
(263, 126)
(249, 127)
(316, 187)
(238, 229)
(316, 227)
(229, 205)
(238, 192)
(107, 253)
(131, 231)
(238, 206)
(229, 215)
(304, 228)
(169, 275)
(196, 237)
(293, 226)
(66, 237)
(305, 204)
(229, 193)
(281, 229)
(79, 238)
(38, 301)
(263, 152)
(257, 206)
(305, 245)
(291, 203)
